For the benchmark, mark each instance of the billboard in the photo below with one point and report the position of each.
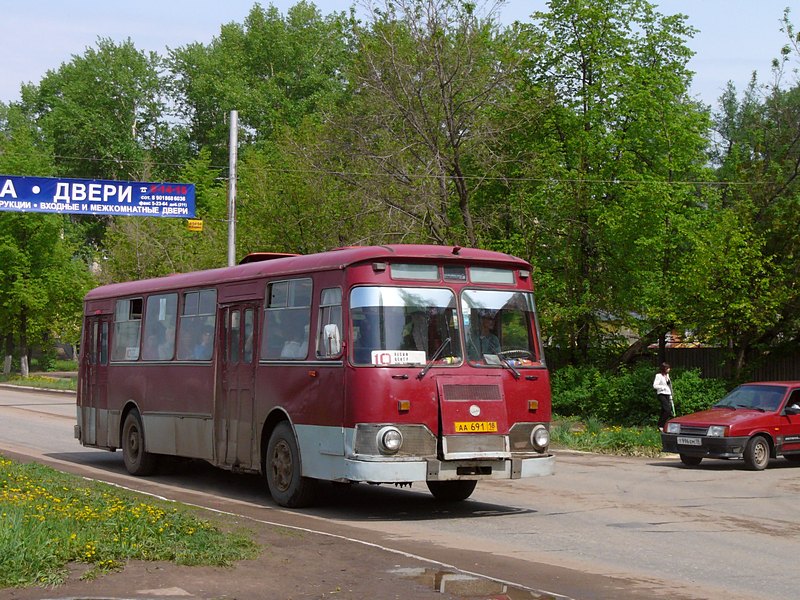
(96, 197)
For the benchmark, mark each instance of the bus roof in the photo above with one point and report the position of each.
(340, 258)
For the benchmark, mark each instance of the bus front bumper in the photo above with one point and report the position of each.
(531, 465)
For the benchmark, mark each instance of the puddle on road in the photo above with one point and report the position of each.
(464, 585)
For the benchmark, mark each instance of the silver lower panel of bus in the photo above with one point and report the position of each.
(329, 453)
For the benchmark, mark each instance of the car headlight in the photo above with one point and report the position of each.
(540, 438)
(717, 431)
(673, 427)
(389, 440)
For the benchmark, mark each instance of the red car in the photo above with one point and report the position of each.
(755, 421)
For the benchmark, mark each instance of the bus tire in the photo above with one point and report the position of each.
(137, 460)
(452, 491)
(282, 469)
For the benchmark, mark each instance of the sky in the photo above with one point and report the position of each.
(735, 38)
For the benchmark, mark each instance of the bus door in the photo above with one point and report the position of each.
(474, 422)
(94, 385)
(235, 418)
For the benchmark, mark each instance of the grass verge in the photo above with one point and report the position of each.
(41, 381)
(49, 519)
(593, 436)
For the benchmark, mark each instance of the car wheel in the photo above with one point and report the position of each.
(691, 461)
(282, 469)
(756, 453)
(137, 460)
(452, 491)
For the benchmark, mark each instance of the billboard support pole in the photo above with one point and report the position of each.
(232, 189)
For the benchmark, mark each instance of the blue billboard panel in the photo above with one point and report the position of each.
(96, 197)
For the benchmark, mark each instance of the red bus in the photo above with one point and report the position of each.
(384, 364)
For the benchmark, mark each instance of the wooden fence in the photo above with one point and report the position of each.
(711, 362)
(783, 366)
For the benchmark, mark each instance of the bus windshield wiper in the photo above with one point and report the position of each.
(436, 354)
(508, 365)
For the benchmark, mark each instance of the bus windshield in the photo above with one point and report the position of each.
(404, 326)
(499, 325)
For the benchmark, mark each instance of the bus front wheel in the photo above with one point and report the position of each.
(282, 468)
(452, 491)
(137, 460)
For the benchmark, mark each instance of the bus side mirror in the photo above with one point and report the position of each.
(333, 340)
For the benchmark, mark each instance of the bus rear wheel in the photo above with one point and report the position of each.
(137, 460)
(452, 491)
(282, 469)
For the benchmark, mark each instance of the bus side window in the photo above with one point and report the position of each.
(197, 325)
(91, 342)
(104, 343)
(287, 316)
(234, 333)
(247, 353)
(159, 327)
(329, 343)
(127, 329)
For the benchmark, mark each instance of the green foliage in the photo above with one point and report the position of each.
(103, 112)
(627, 397)
(570, 140)
(275, 70)
(607, 87)
(42, 284)
(50, 519)
(417, 135)
(693, 393)
(137, 248)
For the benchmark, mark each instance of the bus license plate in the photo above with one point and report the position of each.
(476, 426)
(690, 441)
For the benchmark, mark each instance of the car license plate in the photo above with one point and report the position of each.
(476, 426)
(690, 441)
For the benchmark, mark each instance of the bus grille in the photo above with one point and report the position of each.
(469, 393)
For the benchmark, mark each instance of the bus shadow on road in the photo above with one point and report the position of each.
(348, 502)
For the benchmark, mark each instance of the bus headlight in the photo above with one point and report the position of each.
(389, 440)
(540, 438)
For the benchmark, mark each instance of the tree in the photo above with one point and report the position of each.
(425, 77)
(757, 153)
(606, 169)
(104, 113)
(41, 281)
(141, 247)
(273, 70)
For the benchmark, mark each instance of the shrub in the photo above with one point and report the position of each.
(692, 393)
(627, 397)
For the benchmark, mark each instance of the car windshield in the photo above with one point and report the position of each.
(404, 326)
(757, 397)
(500, 327)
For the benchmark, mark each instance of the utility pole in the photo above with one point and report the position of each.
(232, 188)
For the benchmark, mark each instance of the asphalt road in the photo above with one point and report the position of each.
(602, 527)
